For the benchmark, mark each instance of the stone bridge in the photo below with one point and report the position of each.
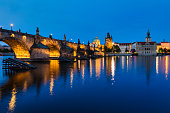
(28, 46)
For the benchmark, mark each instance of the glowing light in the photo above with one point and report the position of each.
(51, 34)
(71, 78)
(157, 64)
(25, 86)
(123, 62)
(71, 39)
(51, 84)
(98, 68)
(166, 66)
(54, 53)
(24, 38)
(113, 68)
(127, 61)
(74, 53)
(83, 72)
(103, 63)
(12, 35)
(19, 49)
(78, 64)
(90, 68)
(13, 100)
(12, 25)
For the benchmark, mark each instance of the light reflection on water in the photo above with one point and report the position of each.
(12, 101)
(56, 80)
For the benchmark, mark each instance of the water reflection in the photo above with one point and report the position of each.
(98, 67)
(127, 62)
(166, 66)
(113, 68)
(13, 100)
(55, 75)
(91, 68)
(71, 78)
(54, 69)
(157, 64)
(123, 62)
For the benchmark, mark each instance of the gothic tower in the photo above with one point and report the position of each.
(148, 38)
(108, 41)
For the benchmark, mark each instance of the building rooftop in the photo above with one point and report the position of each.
(143, 43)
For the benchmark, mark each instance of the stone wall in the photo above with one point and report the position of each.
(38, 53)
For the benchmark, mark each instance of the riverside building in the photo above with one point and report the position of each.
(147, 47)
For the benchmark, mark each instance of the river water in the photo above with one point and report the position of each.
(113, 84)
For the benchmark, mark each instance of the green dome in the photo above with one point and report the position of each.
(96, 40)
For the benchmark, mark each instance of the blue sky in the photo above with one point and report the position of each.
(126, 20)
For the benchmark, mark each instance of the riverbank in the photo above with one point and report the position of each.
(120, 54)
(7, 54)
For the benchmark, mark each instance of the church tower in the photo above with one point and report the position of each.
(108, 41)
(148, 38)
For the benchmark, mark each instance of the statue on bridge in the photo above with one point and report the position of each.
(79, 42)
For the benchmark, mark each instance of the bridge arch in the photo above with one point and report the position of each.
(54, 50)
(18, 46)
(53, 45)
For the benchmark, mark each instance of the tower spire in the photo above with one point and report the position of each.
(148, 38)
(148, 33)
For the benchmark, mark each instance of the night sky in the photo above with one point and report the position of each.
(126, 20)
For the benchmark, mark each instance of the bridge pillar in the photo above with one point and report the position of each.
(39, 51)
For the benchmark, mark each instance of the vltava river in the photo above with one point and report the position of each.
(113, 84)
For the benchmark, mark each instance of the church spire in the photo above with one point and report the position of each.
(148, 38)
(148, 33)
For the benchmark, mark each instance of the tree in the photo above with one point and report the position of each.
(133, 50)
(165, 50)
(107, 49)
(116, 48)
(126, 50)
(160, 50)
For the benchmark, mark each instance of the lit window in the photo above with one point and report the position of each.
(12, 35)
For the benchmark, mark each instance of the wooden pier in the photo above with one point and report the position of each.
(15, 64)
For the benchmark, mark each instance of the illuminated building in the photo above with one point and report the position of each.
(147, 47)
(108, 41)
(96, 42)
(163, 45)
(125, 46)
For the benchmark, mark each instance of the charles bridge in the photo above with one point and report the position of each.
(28, 46)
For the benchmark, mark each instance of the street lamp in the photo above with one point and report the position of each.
(11, 26)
